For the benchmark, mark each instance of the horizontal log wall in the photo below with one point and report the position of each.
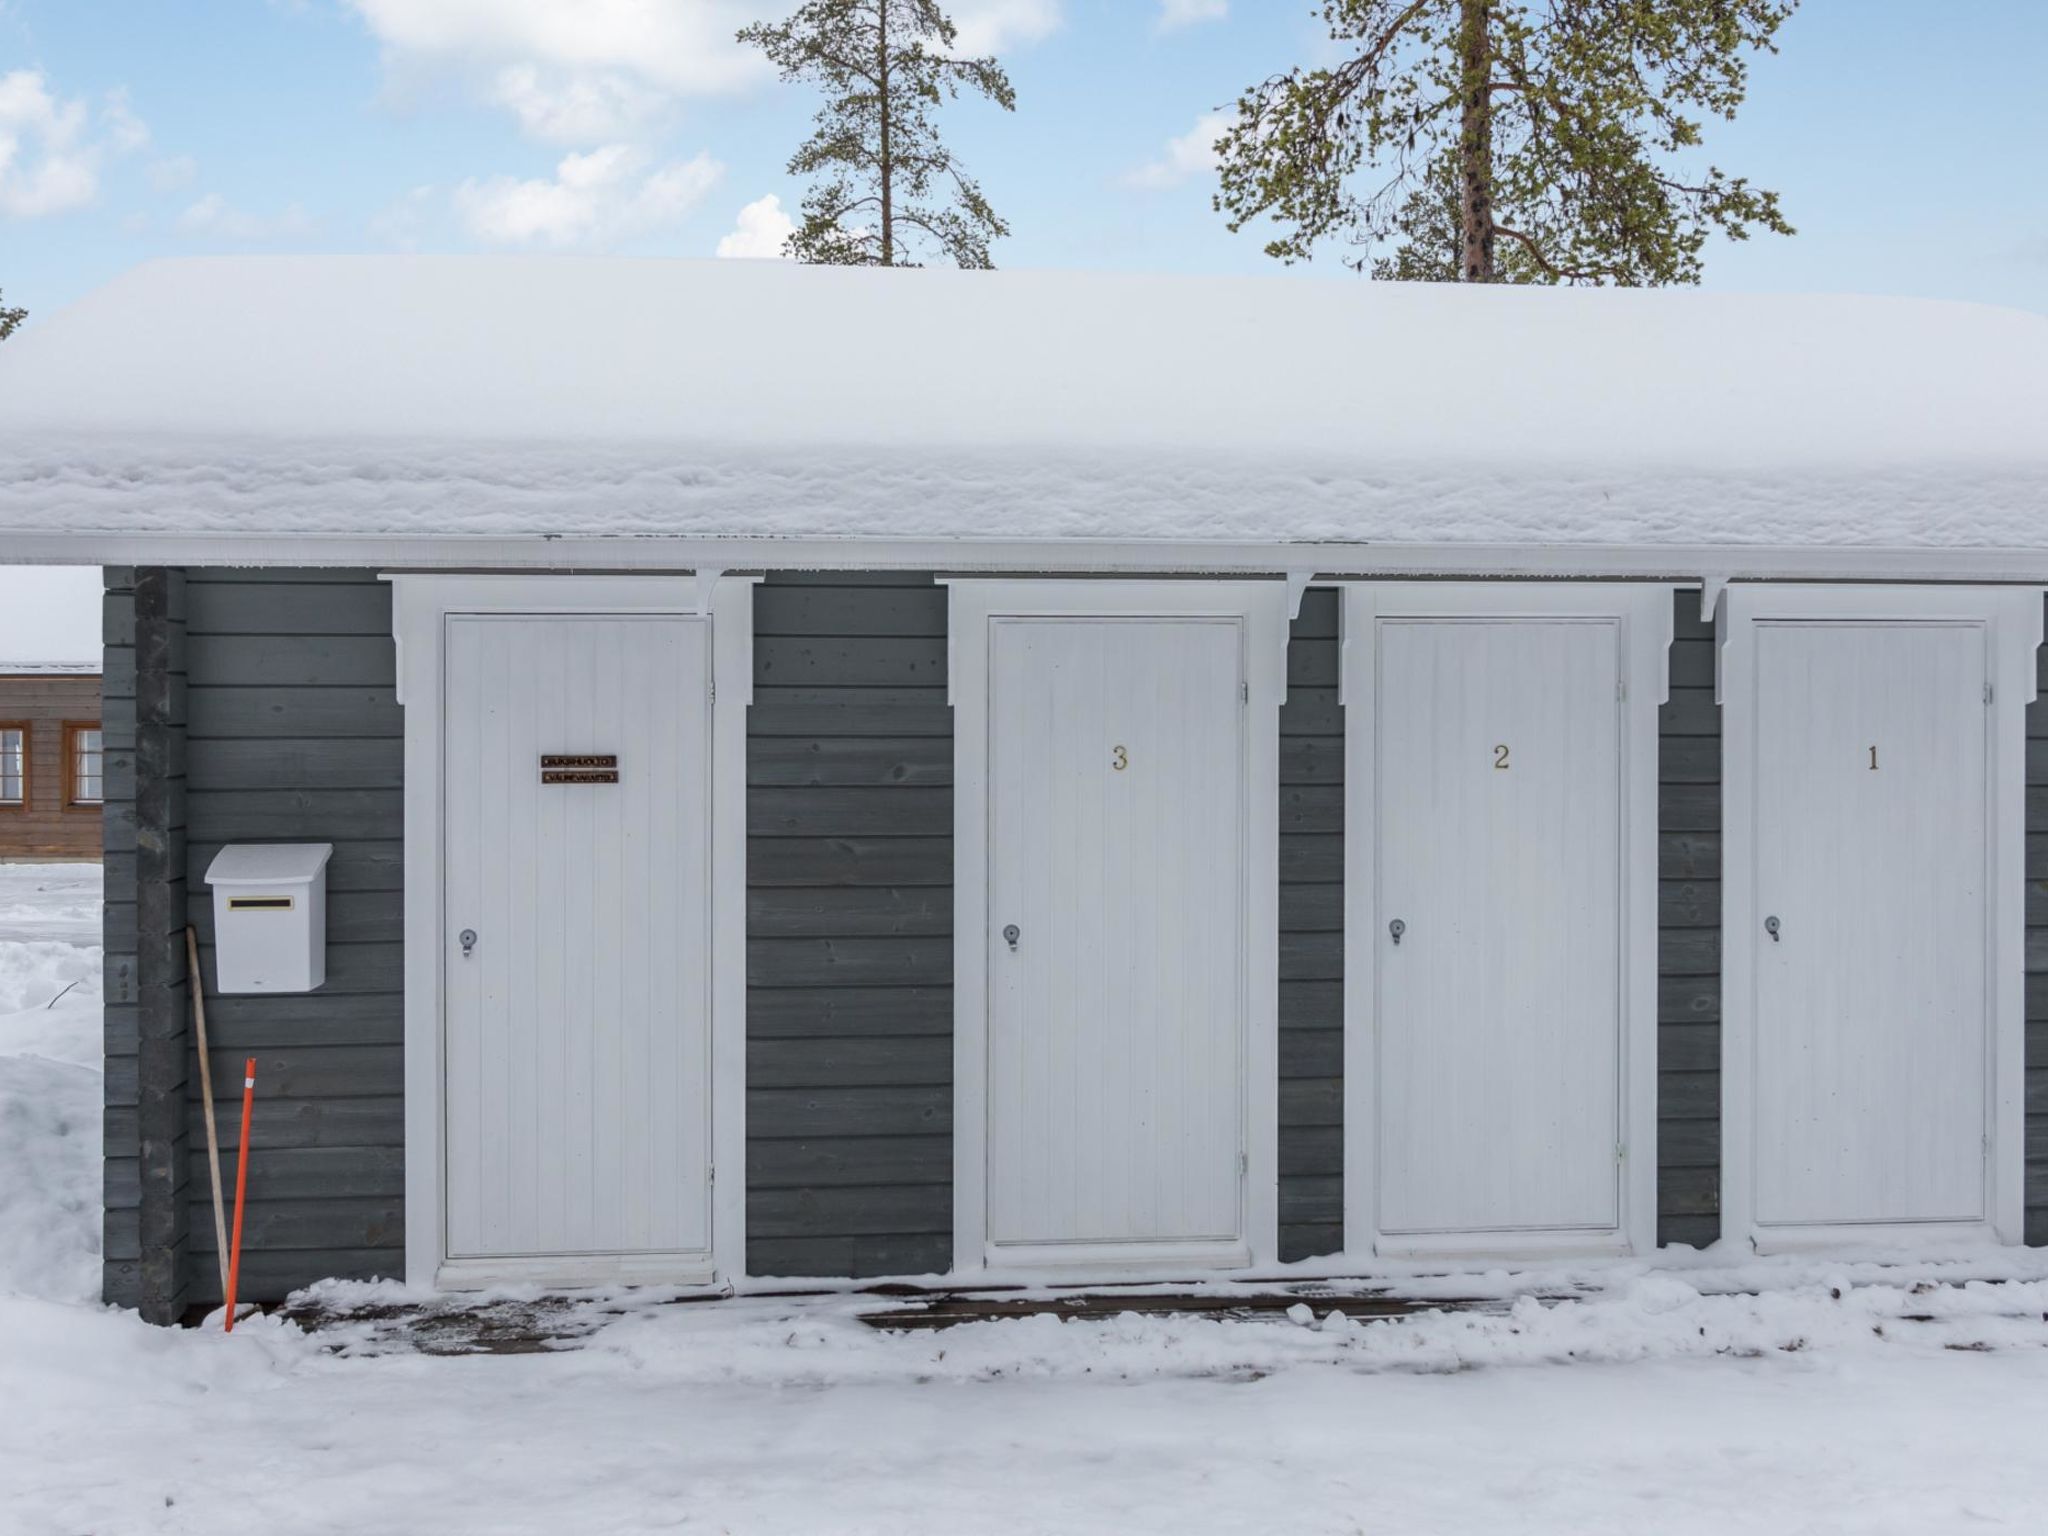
(1689, 940)
(1312, 938)
(2037, 959)
(295, 735)
(121, 1169)
(849, 929)
(290, 729)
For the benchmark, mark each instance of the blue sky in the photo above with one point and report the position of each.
(1906, 138)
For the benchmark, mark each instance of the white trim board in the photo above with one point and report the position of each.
(421, 606)
(1644, 616)
(1263, 608)
(1685, 564)
(2012, 621)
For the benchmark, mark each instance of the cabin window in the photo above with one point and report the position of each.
(84, 759)
(13, 765)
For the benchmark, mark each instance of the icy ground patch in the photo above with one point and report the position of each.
(1859, 1398)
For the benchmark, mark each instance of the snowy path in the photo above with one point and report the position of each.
(1845, 1399)
(668, 1425)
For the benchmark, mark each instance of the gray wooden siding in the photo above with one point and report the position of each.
(849, 928)
(2037, 958)
(295, 735)
(1312, 938)
(1689, 940)
(144, 1175)
(288, 728)
(120, 1172)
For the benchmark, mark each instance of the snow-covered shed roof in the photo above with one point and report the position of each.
(259, 398)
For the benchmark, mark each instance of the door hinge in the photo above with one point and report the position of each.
(1621, 1151)
(1244, 1163)
(1987, 693)
(1621, 690)
(714, 690)
(711, 1173)
(1244, 693)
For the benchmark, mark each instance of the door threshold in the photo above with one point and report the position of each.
(578, 1272)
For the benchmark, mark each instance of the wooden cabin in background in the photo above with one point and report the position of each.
(50, 761)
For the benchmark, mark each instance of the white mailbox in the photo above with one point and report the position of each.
(270, 916)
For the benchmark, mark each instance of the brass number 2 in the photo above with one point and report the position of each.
(1873, 759)
(1500, 756)
(1119, 759)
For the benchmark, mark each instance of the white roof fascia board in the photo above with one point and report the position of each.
(1715, 564)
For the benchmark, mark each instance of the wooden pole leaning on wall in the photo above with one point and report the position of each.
(241, 1190)
(198, 985)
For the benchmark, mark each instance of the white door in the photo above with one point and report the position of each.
(1872, 1032)
(578, 1044)
(1497, 833)
(1116, 993)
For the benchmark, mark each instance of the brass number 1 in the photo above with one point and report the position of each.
(1873, 759)
(1500, 756)
(1119, 759)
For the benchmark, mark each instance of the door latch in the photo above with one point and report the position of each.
(1771, 927)
(1011, 934)
(467, 939)
(1397, 928)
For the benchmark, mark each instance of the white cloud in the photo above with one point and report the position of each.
(213, 217)
(595, 199)
(49, 162)
(588, 73)
(574, 71)
(761, 230)
(572, 108)
(173, 172)
(1175, 14)
(1192, 154)
(405, 223)
(53, 151)
(991, 26)
(126, 132)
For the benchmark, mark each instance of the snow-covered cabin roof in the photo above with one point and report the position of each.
(48, 668)
(447, 397)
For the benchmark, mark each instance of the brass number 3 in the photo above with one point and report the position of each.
(1119, 759)
(1873, 759)
(1500, 756)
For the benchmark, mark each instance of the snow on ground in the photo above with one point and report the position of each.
(50, 1079)
(1704, 1395)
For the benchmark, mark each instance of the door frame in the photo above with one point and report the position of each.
(1644, 616)
(1264, 608)
(421, 608)
(2012, 622)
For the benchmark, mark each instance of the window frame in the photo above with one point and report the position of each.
(73, 729)
(28, 786)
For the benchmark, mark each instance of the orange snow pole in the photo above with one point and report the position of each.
(241, 1189)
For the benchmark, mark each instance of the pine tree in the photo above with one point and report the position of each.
(889, 187)
(10, 319)
(1506, 140)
